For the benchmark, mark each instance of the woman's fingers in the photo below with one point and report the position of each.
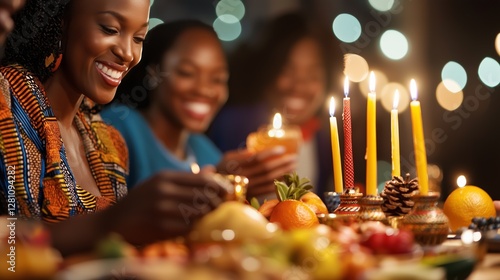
(277, 165)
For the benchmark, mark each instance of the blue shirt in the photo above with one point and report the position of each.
(147, 155)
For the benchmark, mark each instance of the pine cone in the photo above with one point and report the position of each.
(397, 195)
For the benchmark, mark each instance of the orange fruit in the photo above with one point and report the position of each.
(312, 200)
(293, 214)
(465, 203)
(267, 207)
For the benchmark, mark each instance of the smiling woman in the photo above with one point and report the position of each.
(168, 101)
(58, 159)
(170, 98)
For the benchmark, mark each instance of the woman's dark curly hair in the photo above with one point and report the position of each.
(37, 34)
(136, 88)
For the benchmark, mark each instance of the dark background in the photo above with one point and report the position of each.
(438, 32)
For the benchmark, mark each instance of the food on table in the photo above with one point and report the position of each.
(267, 207)
(484, 224)
(114, 247)
(389, 241)
(314, 202)
(397, 195)
(232, 221)
(293, 214)
(296, 207)
(466, 203)
(26, 251)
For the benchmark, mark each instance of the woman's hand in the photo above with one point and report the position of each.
(166, 206)
(261, 168)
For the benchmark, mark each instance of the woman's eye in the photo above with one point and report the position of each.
(139, 40)
(109, 30)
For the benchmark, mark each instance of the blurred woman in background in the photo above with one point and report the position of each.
(287, 71)
(167, 102)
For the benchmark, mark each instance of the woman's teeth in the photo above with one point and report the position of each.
(198, 107)
(295, 103)
(110, 72)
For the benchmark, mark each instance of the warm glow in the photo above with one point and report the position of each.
(346, 86)
(387, 96)
(497, 43)
(277, 122)
(276, 131)
(382, 81)
(372, 81)
(413, 89)
(448, 100)
(355, 67)
(395, 102)
(195, 168)
(461, 181)
(332, 106)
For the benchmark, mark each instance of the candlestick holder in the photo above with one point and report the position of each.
(371, 210)
(349, 203)
(332, 201)
(426, 220)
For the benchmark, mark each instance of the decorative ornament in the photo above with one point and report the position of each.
(397, 195)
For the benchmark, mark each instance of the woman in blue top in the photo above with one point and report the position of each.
(168, 101)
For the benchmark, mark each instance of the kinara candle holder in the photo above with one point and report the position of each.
(371, 210)
(349, 203)
(426, 220)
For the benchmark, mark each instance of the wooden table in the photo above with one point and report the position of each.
(488, 269)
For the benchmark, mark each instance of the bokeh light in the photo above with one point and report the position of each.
(461, 181)
(454, 76)
(356, 67)
(387, 96)
(347, 28)
(151, 2)
(394, 44)
(447, 99)
(225, 8)
(154, 22)
(382, 5)
(227, 31)
(381, 81)
(497, 43)
(489, 72)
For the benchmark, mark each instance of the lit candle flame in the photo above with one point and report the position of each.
(413, 89)
(395, 101)
(277, 122)
(195, 168)
(346, 86)
(461, 181)
(332, 106)
(277, 130)
(372, 81)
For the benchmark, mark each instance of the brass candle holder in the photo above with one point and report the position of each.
(371, 210)
(331, 200)
(426, 220)
(349, 203)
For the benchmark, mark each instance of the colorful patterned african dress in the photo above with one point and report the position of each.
(35, 178)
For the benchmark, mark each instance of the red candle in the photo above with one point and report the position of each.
(348, 159)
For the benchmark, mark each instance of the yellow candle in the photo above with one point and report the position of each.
(337, 167)
(371, 140)
(418, 141)
(396, 167)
